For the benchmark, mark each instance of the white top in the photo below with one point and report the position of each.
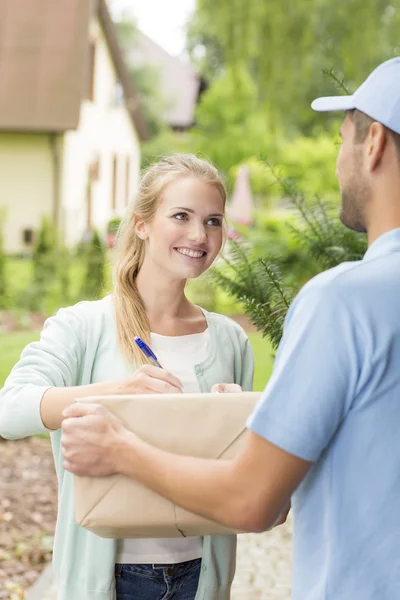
(179, 355)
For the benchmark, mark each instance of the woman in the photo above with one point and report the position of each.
(172, 233)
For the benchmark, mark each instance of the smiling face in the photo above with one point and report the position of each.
(186, 233)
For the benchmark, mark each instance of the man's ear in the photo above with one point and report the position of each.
(375, 145)
(140, 228)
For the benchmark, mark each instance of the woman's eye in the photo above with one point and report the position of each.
(215, 222)
(180, 216)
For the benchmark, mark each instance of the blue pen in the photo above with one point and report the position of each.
(148, 352)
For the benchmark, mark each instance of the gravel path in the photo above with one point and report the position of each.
(263, 567)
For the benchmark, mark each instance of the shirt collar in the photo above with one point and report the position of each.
(385, 244)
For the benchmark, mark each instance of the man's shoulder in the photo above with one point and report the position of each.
(336, 277)
(327, 289)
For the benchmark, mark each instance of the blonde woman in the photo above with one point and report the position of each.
(172, 233)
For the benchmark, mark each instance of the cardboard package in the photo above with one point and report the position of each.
(200, 425)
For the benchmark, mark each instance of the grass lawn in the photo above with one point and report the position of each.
(12, 344)
(263, 358)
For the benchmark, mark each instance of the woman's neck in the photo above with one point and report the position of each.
(161, 294)
(167, 308)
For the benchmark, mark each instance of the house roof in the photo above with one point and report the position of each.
(43, 64)
(180, 83)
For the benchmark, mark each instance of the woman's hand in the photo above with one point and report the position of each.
(224, 388)
(150, 380)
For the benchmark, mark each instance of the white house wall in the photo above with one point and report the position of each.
(26, 184)
(105, 130)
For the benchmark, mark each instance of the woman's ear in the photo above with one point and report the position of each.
(140, 228)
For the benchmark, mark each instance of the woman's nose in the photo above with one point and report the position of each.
(197, 233)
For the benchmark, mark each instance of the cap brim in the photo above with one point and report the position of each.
(333, 103)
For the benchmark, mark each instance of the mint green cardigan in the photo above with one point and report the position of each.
(77, 347)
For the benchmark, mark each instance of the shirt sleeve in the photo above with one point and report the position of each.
(315, 376)
(53, 361)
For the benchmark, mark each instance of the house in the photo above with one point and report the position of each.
(70, 122)
(181, 85)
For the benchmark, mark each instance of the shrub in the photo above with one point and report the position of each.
(113, 225)
(94, 280)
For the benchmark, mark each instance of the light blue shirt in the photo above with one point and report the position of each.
(334, 399)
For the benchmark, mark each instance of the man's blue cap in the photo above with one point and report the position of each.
(378, 97)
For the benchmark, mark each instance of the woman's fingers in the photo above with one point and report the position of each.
(151, 380)
(162, 375)
(159, 386)
(224, 388)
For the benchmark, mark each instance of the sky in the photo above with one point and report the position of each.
(162, 20)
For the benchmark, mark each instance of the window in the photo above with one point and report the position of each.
(91, 70)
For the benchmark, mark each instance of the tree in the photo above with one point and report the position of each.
(288, 45)
(230, 127)
(204, 48)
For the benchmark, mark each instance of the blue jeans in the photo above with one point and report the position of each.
(158, 582)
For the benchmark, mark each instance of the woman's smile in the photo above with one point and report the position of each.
(191, 253)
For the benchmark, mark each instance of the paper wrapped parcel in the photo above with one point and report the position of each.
(201, 425)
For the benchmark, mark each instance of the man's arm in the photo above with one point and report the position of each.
(247, 493)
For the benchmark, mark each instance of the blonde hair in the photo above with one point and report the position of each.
(130, 313)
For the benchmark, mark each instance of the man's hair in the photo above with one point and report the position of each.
(363, 122)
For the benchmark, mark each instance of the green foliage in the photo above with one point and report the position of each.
(288, 46)
(113, 225)
(64, 262)
(262, 182)
(229, 131)
(94, 281)
(204, 48)
(11, 346)
(44, 256)
(45, 267)
(258, 285)
(166, 142)
(263, 359)
(321, 233)
(272, 236)
(311, 163)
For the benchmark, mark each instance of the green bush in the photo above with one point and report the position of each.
(44, 255)
(95, 258)
(113, 225)
(311, 163)
(43, 282)
(272, 236)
